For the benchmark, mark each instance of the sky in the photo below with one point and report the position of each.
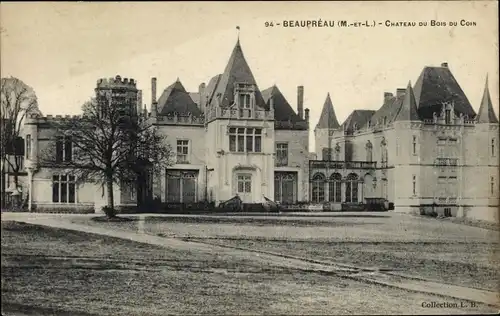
(61, 49)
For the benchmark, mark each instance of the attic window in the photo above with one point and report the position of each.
(244, 100)
(447, 116)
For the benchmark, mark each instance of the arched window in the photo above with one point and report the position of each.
(351, 188)
(334, 193)
(318, 188)
(369, 151)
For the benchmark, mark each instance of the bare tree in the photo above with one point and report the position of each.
(107, 145)
(17, 99)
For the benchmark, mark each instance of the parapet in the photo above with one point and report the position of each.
(116, 82)
(34, 118)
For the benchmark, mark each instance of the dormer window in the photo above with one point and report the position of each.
(447, 116)
(245, 100)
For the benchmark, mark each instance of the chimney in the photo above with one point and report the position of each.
(153, 90)
(154, 109)
(271, 103)
(387, 96)
(307, 117)
(445, 65)
(300, 101)
(201, 93)
(400, 92)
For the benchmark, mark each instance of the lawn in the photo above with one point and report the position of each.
(47, 271)
(421, 247)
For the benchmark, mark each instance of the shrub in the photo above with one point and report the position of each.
(110, 212)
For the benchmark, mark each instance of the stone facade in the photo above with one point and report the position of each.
(424, 150)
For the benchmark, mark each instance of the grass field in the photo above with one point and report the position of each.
(47, 271)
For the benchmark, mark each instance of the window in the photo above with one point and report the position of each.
(492, 186)
(28, 146)
(334, 191)
(245, 139)
(182, 151)
(281, 154)
(285, 187)
(244, 100)
(63, 189)
(181, 186)
(414, 184)
(244, 183)
(385, 120)
(318, 188)
(64, 149)
(447, 116)
(327, 154)
(414, 144)
(493, 147)
(351, 188)
(369, 151)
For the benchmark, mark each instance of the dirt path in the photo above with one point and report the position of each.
(277, 259)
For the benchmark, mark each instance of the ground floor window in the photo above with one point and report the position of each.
(351, 188)
(63, 189)
(181, 186)
(334, 188)
(318, 188)
(285, 187)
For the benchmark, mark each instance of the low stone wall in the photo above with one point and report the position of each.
(63, 208)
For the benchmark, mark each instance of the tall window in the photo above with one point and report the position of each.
(414, 145)
(351, 188)
(493, 147)
(492, 186)
(281, 154)
(63, 189)
(334, 190)
(244, 100)
(414, 184)
(447, 116)
(28, 146)
(64, 149)
(369, 151)
(318, 188)
(245, 139)
(181, 186)
(182, 151)
(285, 187)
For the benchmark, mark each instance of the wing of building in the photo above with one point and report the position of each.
(422, 149)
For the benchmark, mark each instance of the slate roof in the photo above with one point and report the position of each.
(358, 118)
(237, 71)
(283, 111)
(328, 119)
(389, 110)
(408, 109)
(435, 86)
(486, 113)
(195, 96)
(176, 99)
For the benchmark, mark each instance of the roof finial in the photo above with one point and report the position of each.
(238, 41)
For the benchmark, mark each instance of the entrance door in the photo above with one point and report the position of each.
(244, 186)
